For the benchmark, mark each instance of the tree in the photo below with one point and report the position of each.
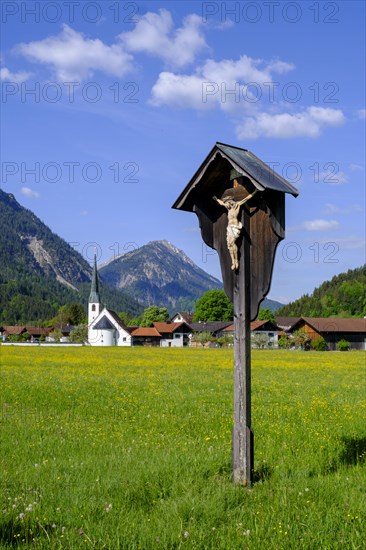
(154, 314)
(214, 305)
(126, 318)
(79, 333)
(76, 314)
(343, 345)
(319, 344)
(266, 314)
(283, 342)
(202, 337)
(302, 339)
(226, 341)
(259, 340)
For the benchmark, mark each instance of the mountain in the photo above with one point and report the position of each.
(39, 271)
(159, 274)
(343, 296)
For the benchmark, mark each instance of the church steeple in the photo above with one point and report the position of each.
(95, 305)
(94, 297)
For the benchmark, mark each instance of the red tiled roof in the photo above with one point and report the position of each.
(13, 329)
(168, 327)
(146, 331)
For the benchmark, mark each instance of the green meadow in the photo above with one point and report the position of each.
(131, 449)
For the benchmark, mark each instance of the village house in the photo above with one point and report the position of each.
(165, 335)
(265, 329)
(333, 330)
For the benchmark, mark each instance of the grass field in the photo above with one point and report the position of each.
(131, 448)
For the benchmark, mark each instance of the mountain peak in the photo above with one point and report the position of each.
(159, 273)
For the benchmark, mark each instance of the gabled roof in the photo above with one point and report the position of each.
(286, 323)
(13, 329)
(333, 324)
(186, 315)
(146, 331)
(210, 326)
(261, 175)
(171, 327)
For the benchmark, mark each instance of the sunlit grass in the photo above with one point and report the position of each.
(131, 448)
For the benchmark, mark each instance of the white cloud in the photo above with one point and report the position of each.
(229, 84)
(74, 57)
(18, 77)
(308, 123)
(320, 225)
(361, 113)
(28, 192)
(154, 34)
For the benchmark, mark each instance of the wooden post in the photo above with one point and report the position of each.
(243, 438)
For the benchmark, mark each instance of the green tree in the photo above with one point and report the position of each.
(319, 344)
(154, 314)
(126, 318)
(214, 305)
(343, 345)
(283, 342)
(302, 339)
(202, 337)
(225, 341)
(266, 314)
(260, 341)
(79, 333)
(76, 314)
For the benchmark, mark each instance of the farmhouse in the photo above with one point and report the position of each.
(263, 333)
(172, 335)
(333, 330)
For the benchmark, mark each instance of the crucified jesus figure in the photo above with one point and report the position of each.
(234, 225)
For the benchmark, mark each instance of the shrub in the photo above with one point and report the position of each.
(343, 345)
(319, 344)
(283, 342)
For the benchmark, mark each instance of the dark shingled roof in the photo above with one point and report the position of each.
(246, 163)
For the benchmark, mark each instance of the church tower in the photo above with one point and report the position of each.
(95, 306)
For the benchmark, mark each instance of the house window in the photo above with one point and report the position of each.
(176, 335)
(93, 307)
(124, 339)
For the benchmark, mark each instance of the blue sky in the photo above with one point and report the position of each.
(108, 108)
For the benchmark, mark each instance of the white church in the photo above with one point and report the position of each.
(105, 328)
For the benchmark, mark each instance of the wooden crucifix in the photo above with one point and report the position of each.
(239, 201)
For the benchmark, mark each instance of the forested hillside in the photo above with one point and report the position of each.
(343, 296)
(39, 271)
